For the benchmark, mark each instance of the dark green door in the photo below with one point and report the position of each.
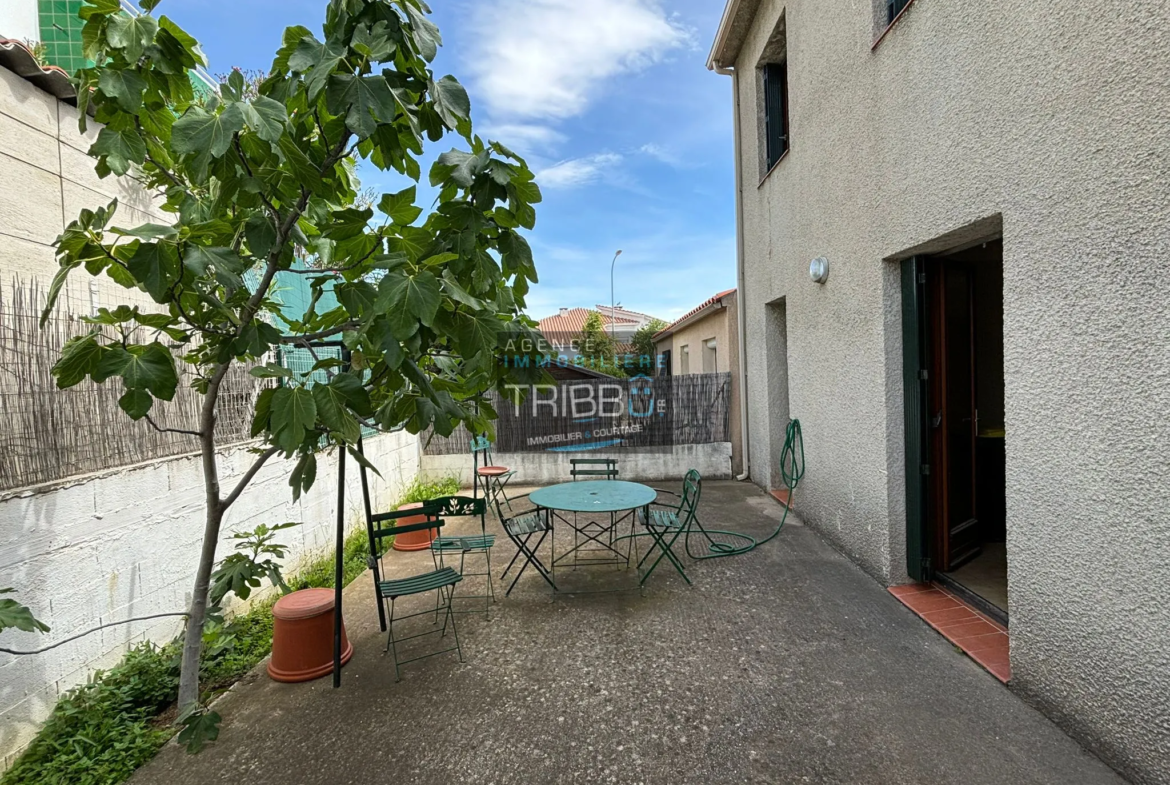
(950, 408)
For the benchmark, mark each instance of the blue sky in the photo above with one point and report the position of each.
(610, 102)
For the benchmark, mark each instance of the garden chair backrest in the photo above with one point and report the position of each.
(482, 444)
(692, 490)
(378, 531)
(458, 506)
(609, 470)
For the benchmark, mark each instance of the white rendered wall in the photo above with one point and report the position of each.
(47, 180)
(126, 543)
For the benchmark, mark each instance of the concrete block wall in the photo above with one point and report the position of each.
(48, 179)
(126, 543)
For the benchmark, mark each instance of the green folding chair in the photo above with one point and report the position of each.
(466, 545)
(494, 479)
(441, 581)
(521, 528)
(666, 523)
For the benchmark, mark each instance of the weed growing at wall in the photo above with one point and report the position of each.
(99, 733)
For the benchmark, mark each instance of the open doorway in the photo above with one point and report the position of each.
(961, 435)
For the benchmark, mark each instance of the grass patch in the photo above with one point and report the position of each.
(100, 732)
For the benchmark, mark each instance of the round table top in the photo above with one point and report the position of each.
(594, 496)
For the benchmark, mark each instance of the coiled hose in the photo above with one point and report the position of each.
(791, 471)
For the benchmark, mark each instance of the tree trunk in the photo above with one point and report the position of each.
(193, 638)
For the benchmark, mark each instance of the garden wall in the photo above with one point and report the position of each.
(125, 543)
(713, 461)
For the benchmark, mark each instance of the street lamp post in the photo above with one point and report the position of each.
(612, 301)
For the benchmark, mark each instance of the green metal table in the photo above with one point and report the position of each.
(608, 497)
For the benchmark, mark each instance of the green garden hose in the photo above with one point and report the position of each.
(791, 471)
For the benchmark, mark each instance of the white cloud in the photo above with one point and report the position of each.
(547, 58)
(523, 137)
(660, 153)
(577, 171)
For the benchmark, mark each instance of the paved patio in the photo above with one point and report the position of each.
(787, 665)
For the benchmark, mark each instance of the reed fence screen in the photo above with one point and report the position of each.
(697, 412)
(48, 434)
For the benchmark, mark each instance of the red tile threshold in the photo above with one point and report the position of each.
(979, 636)
(780, 495)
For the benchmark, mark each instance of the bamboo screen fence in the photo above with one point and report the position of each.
(48, 434)
(700, 407)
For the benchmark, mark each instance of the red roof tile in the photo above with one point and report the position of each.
(572, 321)
(668, 329)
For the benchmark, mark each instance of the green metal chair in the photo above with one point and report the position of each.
(441, 581)
(581, 467)
(494, 479)
(521, 528)
(593, 469)
(465, 545)
(666, 523)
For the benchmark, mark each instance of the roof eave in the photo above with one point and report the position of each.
(690, 319)
(733, 28)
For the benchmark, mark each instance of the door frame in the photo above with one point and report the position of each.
(914, 386)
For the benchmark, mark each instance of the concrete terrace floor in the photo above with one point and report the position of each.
(786, 665)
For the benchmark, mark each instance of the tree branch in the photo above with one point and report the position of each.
(282, 233)
(170, 175)
(244, 160)
(294, 339)
(155, 425)
(247, 478)
(318, 270)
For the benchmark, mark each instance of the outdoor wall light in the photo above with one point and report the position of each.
(818, 269)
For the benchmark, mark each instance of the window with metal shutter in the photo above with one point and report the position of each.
(776, 110)
(895, 7)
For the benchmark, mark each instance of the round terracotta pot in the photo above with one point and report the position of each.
(413, 541)
(302, 636)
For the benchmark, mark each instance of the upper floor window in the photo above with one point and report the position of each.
(772, 92)
(893, 8)
(775, 112)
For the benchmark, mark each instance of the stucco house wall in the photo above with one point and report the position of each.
(695, 335)
(1046, 122)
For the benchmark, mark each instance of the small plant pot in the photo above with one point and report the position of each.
(302, 636)
(413, 541)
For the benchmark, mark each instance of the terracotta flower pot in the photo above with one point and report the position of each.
(302, 636)
(413, 541)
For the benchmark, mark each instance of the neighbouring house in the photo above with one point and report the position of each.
(954, 226)
(625, 322)
(619, 322)
(706, 340)
(562, 329)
